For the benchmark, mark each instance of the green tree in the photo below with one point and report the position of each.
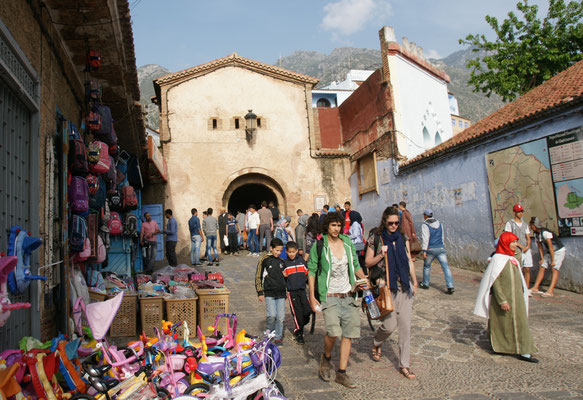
(527, 51)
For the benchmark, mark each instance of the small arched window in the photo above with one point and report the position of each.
(426, 139)
(323, 103)
(437, 139)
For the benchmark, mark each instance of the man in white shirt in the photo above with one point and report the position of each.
(520, 229)
(253, 222)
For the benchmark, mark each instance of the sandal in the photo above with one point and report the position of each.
(376, 353)
(407, 373)
(547, 294)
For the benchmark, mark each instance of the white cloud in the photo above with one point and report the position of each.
(345, 17)
(432, 53)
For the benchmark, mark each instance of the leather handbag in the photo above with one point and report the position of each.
(385, 299)
(415, 246)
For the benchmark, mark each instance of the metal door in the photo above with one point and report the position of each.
(156, 212)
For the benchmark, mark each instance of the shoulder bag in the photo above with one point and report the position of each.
(384, 300)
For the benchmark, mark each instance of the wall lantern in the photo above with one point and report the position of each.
(250, 124)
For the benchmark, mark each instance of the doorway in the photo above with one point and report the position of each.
(252, 193)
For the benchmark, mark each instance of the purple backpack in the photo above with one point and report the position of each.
(79, 195)
(78, 234)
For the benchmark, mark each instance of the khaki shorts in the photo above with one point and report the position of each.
(341, 316)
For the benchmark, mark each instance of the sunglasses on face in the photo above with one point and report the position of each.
(391, 223)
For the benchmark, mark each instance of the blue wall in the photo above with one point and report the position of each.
(469, 231)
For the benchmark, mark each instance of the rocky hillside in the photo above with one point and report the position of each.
(334, 67)
(146, 74)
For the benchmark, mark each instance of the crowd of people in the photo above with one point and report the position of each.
(322, 265)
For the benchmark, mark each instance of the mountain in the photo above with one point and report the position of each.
(146, 73)
(335, 66)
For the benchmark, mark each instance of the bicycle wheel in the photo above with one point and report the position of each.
(197, 388)
(162, 393)
(82, 396)
(259, 395)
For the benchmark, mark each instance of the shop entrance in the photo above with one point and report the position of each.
(252, 193)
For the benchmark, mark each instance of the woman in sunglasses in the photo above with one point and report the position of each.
(388, 245)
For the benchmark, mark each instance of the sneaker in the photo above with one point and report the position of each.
(209, 264)
(300, 339)
(343, 379)
(450, 290)
(325, 368)
(256, 255)
(250, 254)
(423, 286)
(217, 264)
(278, 342)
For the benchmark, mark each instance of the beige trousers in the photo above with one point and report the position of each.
(401, 318)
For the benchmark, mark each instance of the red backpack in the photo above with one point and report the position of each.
(93, 60)
(115, 225)
(93, 183)
(103, 165)
(129, 199)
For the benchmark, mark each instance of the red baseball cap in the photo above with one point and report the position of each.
(517, 208)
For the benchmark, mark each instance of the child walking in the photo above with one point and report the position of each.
(270, 285)
(296, 273)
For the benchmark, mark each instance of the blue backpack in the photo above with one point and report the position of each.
(78, 234)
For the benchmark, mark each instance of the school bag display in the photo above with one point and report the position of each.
(78, 157)
(115, 225)
(97, 201)
(78, 234)
(130, 225)
(78, 195)
(102, 165)
(129, 198)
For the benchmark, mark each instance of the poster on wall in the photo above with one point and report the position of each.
(545, 176)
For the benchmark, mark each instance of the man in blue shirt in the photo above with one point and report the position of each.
(196, 236)
(171, 233)
(433, 247)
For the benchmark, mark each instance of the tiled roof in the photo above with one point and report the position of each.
(562, 89)
(332, 153)
(235, 59)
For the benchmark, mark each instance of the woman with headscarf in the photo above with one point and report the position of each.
(503, 299)
(403, 285)
(313, 233)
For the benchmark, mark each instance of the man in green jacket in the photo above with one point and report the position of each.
(337, 286)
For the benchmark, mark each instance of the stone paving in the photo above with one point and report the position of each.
(451, 354)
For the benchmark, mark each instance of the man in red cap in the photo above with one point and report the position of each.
(520, 229)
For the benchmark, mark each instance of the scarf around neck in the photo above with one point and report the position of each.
(397, 260)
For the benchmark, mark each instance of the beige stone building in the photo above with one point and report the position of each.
(214, 162)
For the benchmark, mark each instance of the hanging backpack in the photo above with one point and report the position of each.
(93, 121)
(92, 233)
(121, 176)
(78, 157)
(134, 174)
(78, 195)
(93, 185)
(130, 225)
(115, 225)
(78, 234)
(115, 203)
(97, 201)
(93, 90)
(101, 251)
(104, 163)
(106, 125)
(129, 198)
(93, 153)
(114, 149)
(111, 176)
(93, 60)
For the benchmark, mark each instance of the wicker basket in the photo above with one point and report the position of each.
(210, 303)
(124, 323)
(96, 297)
(182, 310)
(152, 313)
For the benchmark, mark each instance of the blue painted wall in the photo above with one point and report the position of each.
(469, 232)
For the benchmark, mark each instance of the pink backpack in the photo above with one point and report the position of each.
(103, 165)
(115, 226)
(101, 251)
(78, 195)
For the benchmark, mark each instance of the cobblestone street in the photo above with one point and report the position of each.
(451, 354)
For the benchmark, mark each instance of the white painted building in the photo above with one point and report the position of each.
(335, 93)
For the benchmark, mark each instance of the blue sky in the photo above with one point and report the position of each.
(179, 34)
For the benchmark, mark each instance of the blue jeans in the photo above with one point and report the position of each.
(211, 244)
(438, 253)
(253, 241)
(275, 310)
(196, 240)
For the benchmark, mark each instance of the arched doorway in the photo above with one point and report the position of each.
(253, 188)
(251, 193)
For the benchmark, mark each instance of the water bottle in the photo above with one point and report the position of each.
(371, 304)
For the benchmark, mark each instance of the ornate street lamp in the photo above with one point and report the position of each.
(250, 125)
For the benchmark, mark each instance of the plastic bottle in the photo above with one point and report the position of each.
(371, 304)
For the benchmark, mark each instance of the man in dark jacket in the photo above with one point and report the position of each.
(222, 229)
